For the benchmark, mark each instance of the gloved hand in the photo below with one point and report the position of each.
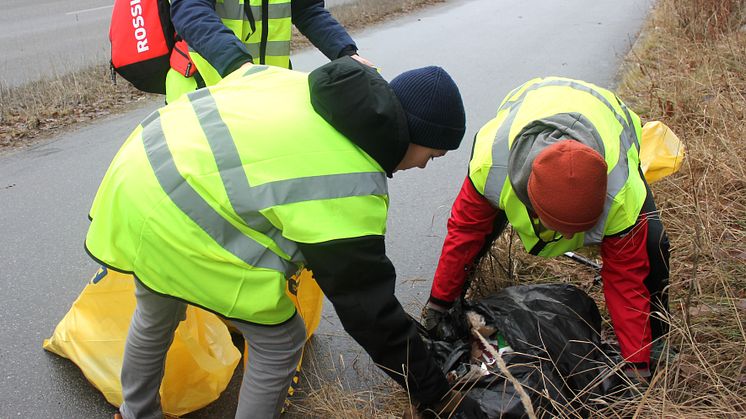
(441, 323)
(432, 315)
(454, 404)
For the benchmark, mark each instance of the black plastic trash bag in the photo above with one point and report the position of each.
(554, 351)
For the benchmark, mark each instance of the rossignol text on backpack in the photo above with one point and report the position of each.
(142, 37)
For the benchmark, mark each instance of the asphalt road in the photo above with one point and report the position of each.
(50, 37)
(488, 46)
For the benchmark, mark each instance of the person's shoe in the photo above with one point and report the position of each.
(662, 354)
(635, 383)
(117, 415)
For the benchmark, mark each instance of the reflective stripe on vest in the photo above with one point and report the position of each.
(276, 41)
(246, 200)
(198, 210)
(617, 177)
(279, 26)
(208, 198)
(271, 45)
(234, 10)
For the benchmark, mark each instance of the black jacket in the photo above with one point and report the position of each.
(355, 273)
(199, 25)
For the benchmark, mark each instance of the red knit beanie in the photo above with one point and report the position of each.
(567, 186)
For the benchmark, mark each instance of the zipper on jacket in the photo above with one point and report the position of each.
(189, 61)
(265, 32)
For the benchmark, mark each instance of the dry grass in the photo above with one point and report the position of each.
(689, 72)
(42, 108)
(325, 391)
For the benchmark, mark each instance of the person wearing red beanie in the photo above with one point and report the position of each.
(560, 164)
(567, 187)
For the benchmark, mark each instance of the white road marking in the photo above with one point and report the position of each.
(76, 12)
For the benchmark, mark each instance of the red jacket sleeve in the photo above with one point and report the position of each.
(472, 220)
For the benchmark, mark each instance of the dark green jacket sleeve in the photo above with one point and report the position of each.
(358, 278)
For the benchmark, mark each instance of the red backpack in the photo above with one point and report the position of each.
(142, 38)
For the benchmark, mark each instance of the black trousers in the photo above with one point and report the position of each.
(657, 280)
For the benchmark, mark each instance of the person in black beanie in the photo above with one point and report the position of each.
(428, 96)
(265, 199)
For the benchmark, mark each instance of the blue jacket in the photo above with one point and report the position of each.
(198, 24)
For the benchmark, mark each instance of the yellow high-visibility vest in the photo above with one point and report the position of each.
(544, 99)
(208, 198)
(267, 38)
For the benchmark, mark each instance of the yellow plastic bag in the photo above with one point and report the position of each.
(201, 360)
(199, 364)
(661, 151)
(308, 299)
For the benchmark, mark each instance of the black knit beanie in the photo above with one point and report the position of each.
(432, 102)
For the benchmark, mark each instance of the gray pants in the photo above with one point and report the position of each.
(274, 352)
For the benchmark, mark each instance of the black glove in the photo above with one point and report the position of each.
(432, 315)
(443, 323)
